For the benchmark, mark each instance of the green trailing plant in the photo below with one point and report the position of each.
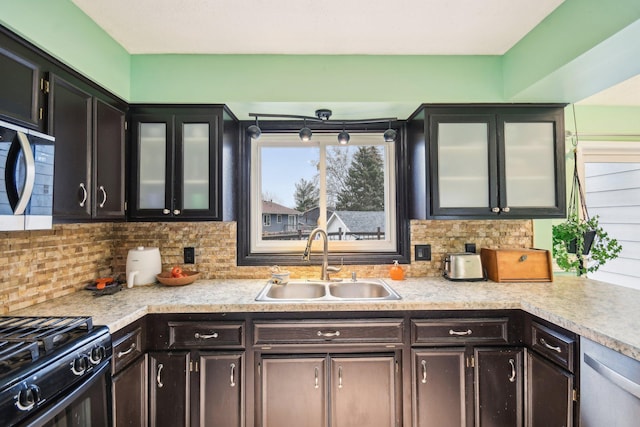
(580, 244)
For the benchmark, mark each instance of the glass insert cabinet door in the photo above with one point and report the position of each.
(152, 146)
(463, 164)
(529, 150)
(195, 165)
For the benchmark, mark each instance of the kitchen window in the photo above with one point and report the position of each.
(351, 191)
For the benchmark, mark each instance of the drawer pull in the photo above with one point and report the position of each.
(329, 334)
(512, 378)
(125, 352)
(317, 379)
(233, 375)
(158, 376)
(549, 346)
(424, 372)
(460, 333)
(200, 336)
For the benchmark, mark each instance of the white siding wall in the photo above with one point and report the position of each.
(613, 193)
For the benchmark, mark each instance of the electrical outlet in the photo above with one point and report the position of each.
(470, 247)
(423, 252)
(190, 255)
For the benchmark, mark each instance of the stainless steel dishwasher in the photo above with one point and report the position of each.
(609, 387)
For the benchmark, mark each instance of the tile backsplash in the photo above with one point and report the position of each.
(41, 265)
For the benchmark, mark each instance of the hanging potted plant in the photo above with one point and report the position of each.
(580, 244)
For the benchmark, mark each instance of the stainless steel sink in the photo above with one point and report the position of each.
(306, 290)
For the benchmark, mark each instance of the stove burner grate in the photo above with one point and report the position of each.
(48, 332)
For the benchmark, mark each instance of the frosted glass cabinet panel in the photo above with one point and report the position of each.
(463, 167)
(152, 165)
(195, 158)
(177, 160)
(529, 164)
(487, 161)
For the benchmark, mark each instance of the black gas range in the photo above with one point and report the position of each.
(53, 370)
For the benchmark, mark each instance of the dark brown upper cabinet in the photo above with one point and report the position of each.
(20, 86)
(487, 161)
(182, 163)
(89, 161)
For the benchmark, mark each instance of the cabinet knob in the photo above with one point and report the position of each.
(495, 210)
(176, 211)
(166, 211)
(506, 209)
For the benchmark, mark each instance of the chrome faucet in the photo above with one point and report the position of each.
(324, 275)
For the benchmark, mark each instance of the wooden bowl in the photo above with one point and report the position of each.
(166, 279)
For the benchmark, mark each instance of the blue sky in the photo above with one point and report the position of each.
(283, 167)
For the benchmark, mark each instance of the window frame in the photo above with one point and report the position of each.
(401, 252)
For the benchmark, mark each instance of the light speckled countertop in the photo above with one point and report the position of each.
(604, 313)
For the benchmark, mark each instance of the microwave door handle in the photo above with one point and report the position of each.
(30, 178)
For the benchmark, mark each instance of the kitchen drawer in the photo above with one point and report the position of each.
(206, 334)
(460, 331)
(365, 331)
(127, 349)
(554, 345)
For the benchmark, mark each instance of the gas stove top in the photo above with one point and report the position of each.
(43, 356)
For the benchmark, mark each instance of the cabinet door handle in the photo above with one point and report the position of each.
(512, 378)
(339, 376)
(495, 210)
(104, 196)
(317, 379)
(125, 352)
(176, 211)
(506, 209)
(329, 334)
(84, 195)
(549, 346)
(200, 336)
(158, 376)
(424, 372)
(233, 375)
(460, 333)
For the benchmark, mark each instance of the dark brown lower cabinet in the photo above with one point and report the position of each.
(440, 387)
(221, 389)
(550, 393)
(348, 390)
(457, 387)
(169, 389)
(499, 387)
(130, 395)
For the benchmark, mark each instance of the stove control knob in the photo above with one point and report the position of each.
(28, 398)
(97, 354)
(79, 365)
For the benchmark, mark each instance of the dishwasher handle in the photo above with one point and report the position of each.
(616, 378)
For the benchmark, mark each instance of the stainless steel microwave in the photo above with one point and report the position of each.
(26, 178)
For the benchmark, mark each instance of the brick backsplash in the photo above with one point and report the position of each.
(41, 265)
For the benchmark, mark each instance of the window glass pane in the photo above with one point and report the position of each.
(289, 186)
(196, 166)
(356, 189)
(153, 145)
(348, 190)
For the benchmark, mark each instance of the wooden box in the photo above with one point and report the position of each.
(517, 265)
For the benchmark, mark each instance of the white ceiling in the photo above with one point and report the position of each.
(413, 27)
(400, 27)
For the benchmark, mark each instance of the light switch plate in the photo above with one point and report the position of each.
(423, 252)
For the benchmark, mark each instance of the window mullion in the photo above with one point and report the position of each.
(322, 219)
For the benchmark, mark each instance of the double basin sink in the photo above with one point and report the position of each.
(310, 290)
